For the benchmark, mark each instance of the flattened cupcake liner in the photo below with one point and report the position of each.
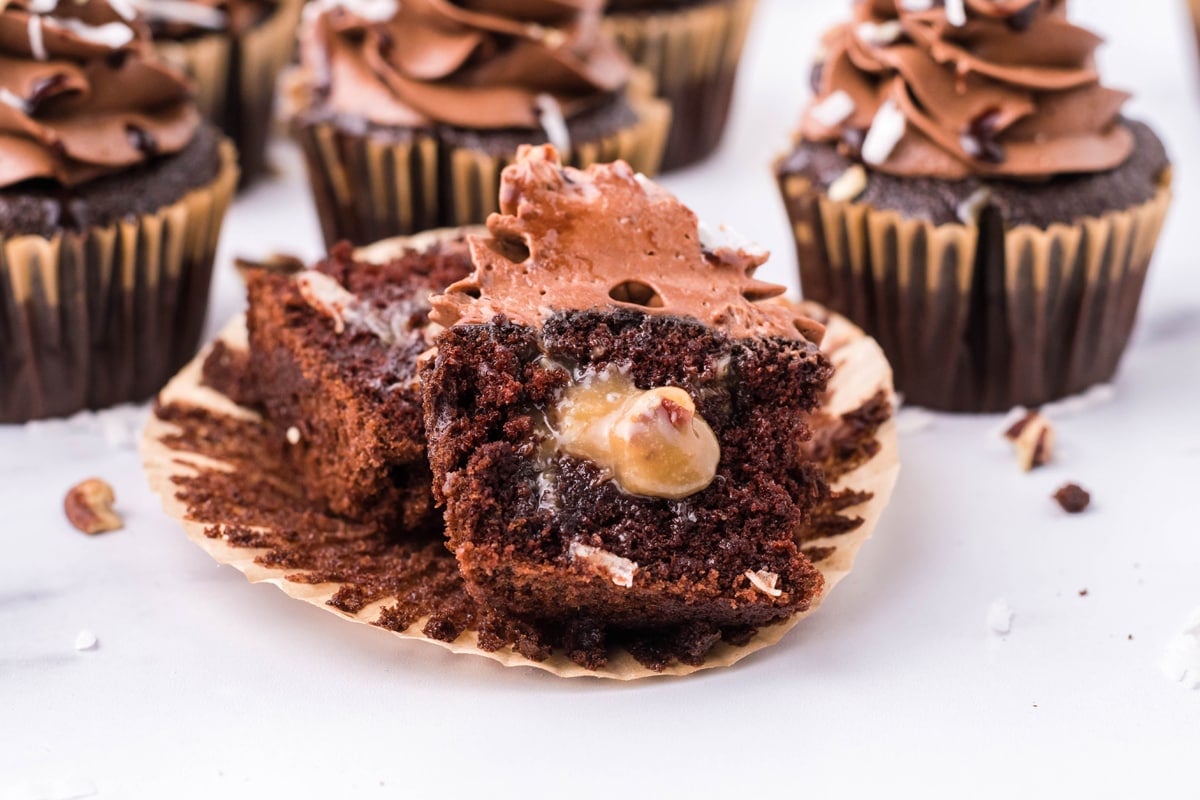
(92, 319)
(367, 188)
(693, 55)
(976, 317)
(235, 78)
(199, 432)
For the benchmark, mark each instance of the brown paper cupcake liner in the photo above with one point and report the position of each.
(692, 55)
(975, 317)
(367, 188)
(234, 79)
(106, 316)
(204, 456)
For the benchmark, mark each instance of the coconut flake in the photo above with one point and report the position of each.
(85, 640)
(37, 45)
(1181, 659)
(124, 8)
(111, 34)
(619, 570)
(723, 237)
(879, 33)
(11, 98)
(956, 12)
(1000, 618)
(550, 117)
(887, 129)
(834, 109)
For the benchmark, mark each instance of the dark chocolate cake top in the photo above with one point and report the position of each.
(81, 94)
(608, 238)
(955, 88)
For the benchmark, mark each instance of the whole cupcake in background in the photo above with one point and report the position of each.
(407, 112)
(112, 192)
(233, 50)
(964, 187)
(692, 49)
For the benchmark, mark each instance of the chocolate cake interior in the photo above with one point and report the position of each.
(332, 364)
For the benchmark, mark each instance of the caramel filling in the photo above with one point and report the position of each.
(652, 442)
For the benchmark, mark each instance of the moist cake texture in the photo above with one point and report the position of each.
(332, 365)
(597, 290)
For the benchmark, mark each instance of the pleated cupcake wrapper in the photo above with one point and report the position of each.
(862, 372)
(979, 318)
(368, 188)
(107, 315)
(692, 55)
(234, 78)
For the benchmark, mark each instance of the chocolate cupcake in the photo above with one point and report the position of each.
(112, 192)
(233, 50)
(613, 414)
(407, 112)
(964, 187)
(692, 49)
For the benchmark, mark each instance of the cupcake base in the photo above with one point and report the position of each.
(93, 318)
(984, 296)
(375, 183)
(692, 53)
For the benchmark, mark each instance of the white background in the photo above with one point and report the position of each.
(205, 686)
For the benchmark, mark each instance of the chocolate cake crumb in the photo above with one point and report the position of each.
(1083, 592)
(1073, 498)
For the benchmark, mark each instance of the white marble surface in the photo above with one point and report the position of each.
(204, 686)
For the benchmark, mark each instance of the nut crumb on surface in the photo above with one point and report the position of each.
(1073, 498)
(1033, 439)
(89, 507)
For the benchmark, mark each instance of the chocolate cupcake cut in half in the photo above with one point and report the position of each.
(964, 187)
(615, 415)
(407, 112)
(112, 192)
(692, 49)
(300, 452)
(233, 51)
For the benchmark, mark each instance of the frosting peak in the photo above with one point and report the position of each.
(953, 88)
(485, 64)
(607, 238)
(79, 95)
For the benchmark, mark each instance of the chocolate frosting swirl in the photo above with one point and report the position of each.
(482, 64)
(955, 88)
(80, 96)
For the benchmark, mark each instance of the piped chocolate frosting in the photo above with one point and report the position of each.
(608, 238)
(80, 94)
(957, 88)
(480, 64)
